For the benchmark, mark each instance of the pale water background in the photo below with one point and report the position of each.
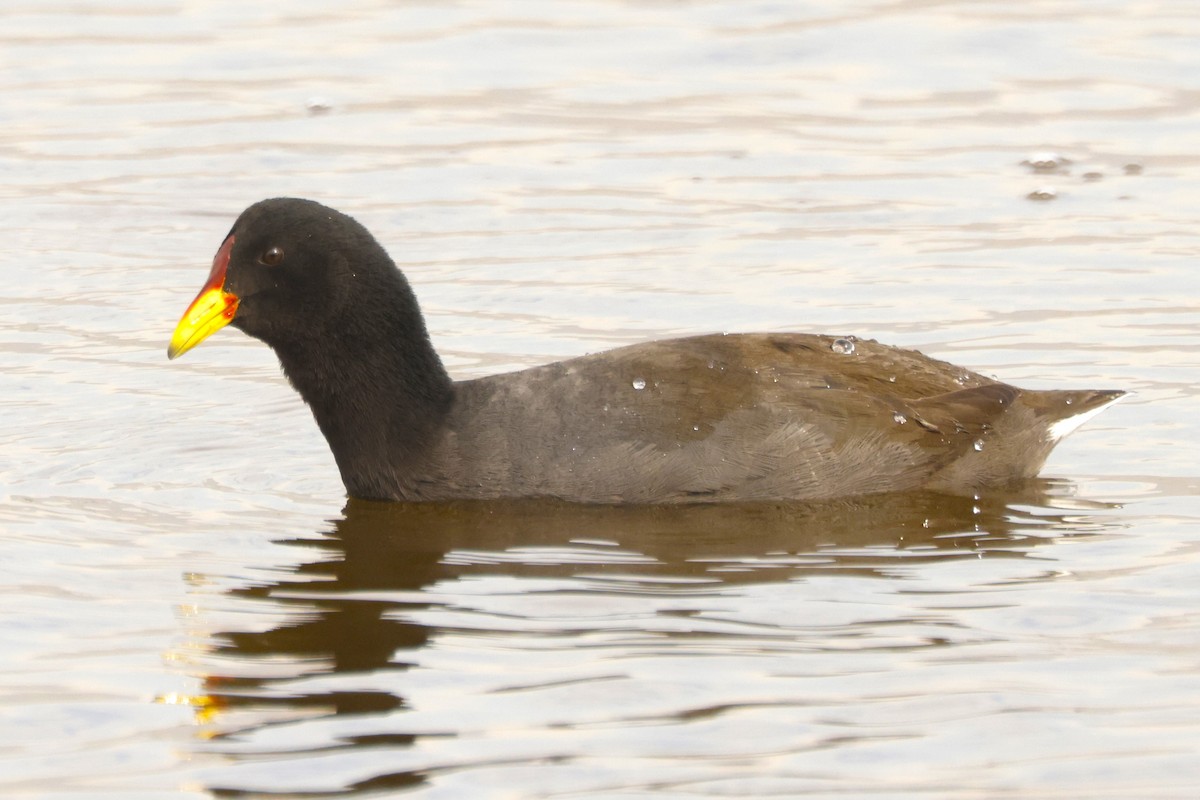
(188, 610)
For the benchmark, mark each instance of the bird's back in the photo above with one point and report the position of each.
(743, 417)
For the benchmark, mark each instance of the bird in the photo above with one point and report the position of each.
(739, 417)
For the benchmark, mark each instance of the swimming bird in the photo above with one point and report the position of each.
(710, 418)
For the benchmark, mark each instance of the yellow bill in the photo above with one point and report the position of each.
(212, 309)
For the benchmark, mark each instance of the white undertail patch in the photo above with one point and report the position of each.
(1066, 426)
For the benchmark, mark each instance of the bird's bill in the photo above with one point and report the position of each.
(212, 309)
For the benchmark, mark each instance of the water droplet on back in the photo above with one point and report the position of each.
(978, 444)
(843, 346)
(900, 418)
(639, 383)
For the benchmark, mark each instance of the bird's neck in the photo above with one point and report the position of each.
(380, 395)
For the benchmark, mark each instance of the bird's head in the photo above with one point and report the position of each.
(288, 270)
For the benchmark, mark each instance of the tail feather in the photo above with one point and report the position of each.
(1080, 407)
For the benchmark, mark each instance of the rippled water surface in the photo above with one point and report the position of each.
(192, 609)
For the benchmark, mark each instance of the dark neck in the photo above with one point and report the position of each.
(380, 395)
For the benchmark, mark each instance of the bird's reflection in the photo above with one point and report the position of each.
(349, 607)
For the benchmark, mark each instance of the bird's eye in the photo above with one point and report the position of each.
(272, 256)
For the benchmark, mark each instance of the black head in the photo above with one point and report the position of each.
(316, 286)
(293, 270)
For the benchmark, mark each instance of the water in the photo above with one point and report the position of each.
(191, 609)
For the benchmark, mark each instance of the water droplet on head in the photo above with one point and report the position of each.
(639, 384)
(900, 418)
(1069, 401)
(978, 444)
(892, 379)
(843, 346)
(695, 427)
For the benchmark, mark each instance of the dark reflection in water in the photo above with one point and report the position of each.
(346, 608)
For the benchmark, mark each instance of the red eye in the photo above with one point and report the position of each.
(272, 257)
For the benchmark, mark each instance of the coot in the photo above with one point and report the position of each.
(741, 417)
